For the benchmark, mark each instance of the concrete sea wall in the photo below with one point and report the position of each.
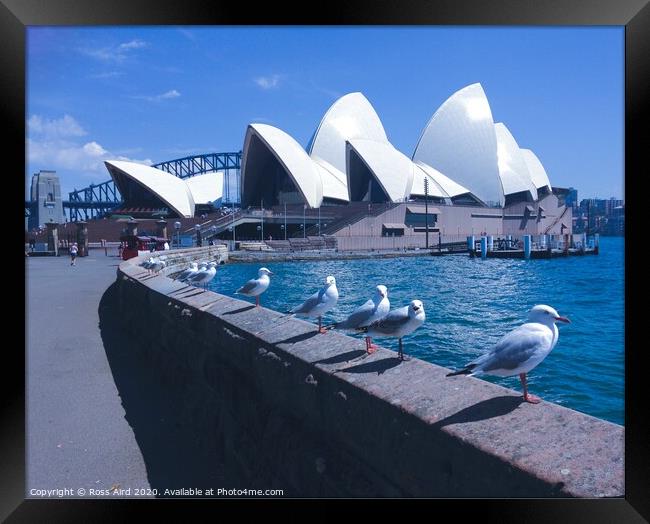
(287, 408)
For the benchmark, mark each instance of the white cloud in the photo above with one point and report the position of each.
(169, 94)
(268, 82)
(117, 53)
(190, 35)
(157, 98)
(54, 144)
(62, 127)
(133, 44)
(93, 149)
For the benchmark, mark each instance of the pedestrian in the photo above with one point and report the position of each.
(73, 254)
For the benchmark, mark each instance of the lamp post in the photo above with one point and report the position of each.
(285, 220)
(177, 227)
(318, 220)
(259, 228)
(262, 218)
(304, 211)
(199, 239)
(426, 211)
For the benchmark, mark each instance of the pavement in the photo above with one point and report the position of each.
(98, 418)
(77, 433)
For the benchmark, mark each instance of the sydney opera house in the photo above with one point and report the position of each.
(475, 176)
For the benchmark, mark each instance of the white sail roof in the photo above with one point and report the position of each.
(536, 170)
(206, 188)
(350, 117)
(513, 171)
(296, 162)
(392, 169)
(168, 188)
(460, 142)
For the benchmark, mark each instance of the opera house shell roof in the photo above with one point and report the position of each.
(462, 155)
(138, 181)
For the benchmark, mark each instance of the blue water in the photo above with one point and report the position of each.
(471, 303)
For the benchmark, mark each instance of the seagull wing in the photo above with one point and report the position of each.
(248, 287)
(515, 348)
(358, 316)
(392, 322)
(310, 303)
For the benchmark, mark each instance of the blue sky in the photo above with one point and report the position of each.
(151, 94)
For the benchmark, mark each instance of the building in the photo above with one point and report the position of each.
(470, 167)
(149, 192)
(47, 205)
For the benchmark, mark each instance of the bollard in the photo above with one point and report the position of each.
(484, 245)
(490, 243)
(527, 246)
(508, 241)
(470, 243)
(53, 238)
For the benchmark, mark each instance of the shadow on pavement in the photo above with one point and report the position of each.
(169, 449)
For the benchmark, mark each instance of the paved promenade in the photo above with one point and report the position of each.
(96, 417)
(77, 434)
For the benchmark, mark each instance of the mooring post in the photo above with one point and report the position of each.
(490, 242)
(470, 243)
(528, 244)
(484, 245)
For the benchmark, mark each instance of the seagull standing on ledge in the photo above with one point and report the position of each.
(201, 278)
(521, 350)
(399, 323)
(373, 310)
(256, 286)
(319, 303)
(189, 271)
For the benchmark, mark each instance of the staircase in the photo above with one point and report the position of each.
(557, 220)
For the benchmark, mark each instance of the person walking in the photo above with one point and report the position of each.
(73, 254)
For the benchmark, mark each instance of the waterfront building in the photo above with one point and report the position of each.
(47, 205)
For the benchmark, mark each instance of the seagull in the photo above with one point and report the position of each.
(202, 266)
(189, 271)
(157, 266)
(373, 310)
(518, 352)
(256, 286)
(201, 278)
(399, 323)
(319, 303)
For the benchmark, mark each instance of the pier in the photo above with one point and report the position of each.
(529, 247)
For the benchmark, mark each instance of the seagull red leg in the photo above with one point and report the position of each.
(370, 347)
(527, 396)
(257, 301)
(321, 329)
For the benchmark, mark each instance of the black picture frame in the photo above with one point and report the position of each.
(16, 15)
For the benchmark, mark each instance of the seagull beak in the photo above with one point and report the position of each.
(271, 273)
(563, 319)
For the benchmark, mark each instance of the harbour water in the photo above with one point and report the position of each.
(471, 303)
